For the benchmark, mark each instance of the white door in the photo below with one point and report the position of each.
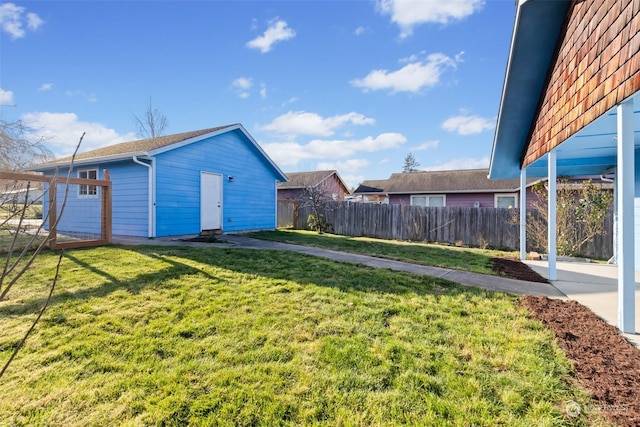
(210, 201)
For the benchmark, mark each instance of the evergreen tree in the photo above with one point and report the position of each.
(410, 164)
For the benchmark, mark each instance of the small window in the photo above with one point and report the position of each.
(508, 201)
(437, 201)
(84, 189)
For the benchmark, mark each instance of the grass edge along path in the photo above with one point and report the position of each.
(452, 257)
(210, 336)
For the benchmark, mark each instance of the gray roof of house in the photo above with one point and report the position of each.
(372, 186)
(452, 181)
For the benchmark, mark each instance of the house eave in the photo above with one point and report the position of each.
(88, 161)
(537, 26)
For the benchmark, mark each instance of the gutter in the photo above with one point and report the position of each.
(151, 204)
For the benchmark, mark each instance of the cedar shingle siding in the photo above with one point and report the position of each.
(596, 67)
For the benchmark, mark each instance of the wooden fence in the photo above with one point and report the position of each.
(286, 213)
(473, 227)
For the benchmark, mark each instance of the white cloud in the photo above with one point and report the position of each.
(291, 153)
(242, 85)
(412, 77)
(263, 90)
(45, 87)
(361, 30)
(468, 125)
(461, 163)
(411, 13)
(6, 97)
(303, 123)
(13, 20)
(351, 165)
(427, 145)
(278, 31)
(62, 131)
(89, 97)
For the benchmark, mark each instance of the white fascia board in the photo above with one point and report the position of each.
(89, 161)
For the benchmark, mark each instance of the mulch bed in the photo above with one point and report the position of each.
(515, 269)
(606, 364)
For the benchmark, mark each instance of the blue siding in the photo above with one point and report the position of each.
(249, 202)
(129, 202)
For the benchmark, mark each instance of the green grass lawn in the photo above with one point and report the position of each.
(213, 336)
(469, 259)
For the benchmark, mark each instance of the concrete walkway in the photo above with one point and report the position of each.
(592, 285)
(492, 283)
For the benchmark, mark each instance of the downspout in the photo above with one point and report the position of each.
(603, 178)
(152, 216)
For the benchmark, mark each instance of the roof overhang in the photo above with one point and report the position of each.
(88, 161)
(537, 26)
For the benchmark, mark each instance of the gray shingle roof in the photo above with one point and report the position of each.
(372, 186)
(305, 179)
(452, 181)
(142, 145)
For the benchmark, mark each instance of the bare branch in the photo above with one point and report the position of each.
(35, 322)
(152, 125)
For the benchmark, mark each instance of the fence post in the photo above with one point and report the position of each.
(52, 214)
(106, 208)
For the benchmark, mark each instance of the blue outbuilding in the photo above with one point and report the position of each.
(210, 179)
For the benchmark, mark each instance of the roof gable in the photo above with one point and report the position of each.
(154, 146)
(299, 180)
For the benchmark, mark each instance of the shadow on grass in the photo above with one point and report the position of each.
(270, 264)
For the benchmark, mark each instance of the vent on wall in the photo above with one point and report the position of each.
(476, 204)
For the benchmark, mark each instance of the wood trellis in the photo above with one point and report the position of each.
(53, 203)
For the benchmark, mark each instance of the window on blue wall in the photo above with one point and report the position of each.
(84, 189)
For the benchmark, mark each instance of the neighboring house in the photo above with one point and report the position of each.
(210, 179)
(570, 107)
(329, 182)
(372, 191)
(455, 188)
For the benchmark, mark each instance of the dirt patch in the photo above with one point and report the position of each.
(606, 364)
(515, 269)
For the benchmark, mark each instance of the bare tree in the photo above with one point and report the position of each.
(17, 149)
(319, 200)
(21, 255)
(152, 124)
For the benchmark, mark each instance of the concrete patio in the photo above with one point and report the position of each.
(593, 285)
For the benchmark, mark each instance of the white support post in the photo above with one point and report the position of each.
(625, 183)
(552, 226)
(523, 214)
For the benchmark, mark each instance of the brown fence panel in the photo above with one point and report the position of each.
(474, 227)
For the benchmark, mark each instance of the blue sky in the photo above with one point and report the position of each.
(347, 85)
